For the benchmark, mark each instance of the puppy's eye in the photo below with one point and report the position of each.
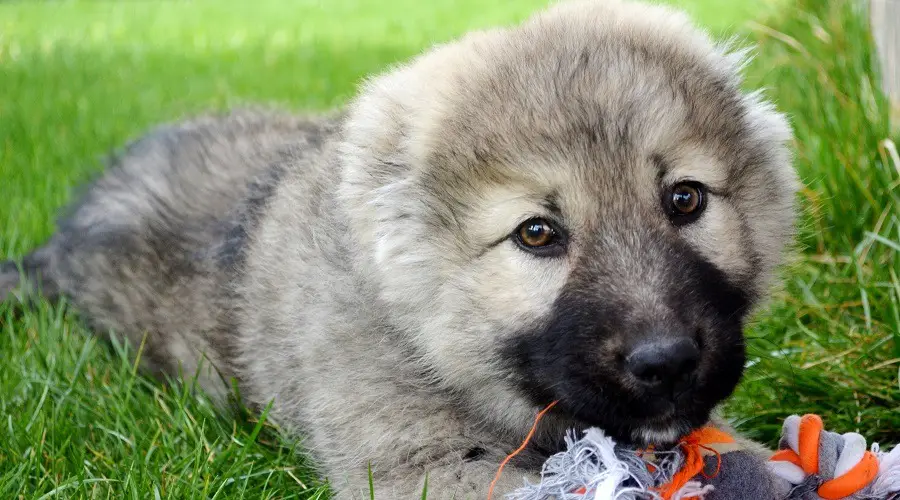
(685, 202)
(536, 233)
(538, 236)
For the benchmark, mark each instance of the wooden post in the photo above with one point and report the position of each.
(885, 21)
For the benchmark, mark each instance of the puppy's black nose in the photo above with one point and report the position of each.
(663, 363)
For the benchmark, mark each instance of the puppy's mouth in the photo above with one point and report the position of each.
(636, 421)
(665, 427)
(662, 434)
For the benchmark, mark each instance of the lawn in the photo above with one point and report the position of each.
(79, 78)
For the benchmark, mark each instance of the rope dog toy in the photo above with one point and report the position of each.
(708, 464)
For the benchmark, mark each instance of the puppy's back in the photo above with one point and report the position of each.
(151, 246)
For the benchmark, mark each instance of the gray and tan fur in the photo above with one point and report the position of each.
(358, 268)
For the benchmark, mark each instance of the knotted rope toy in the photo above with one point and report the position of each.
(811, 464)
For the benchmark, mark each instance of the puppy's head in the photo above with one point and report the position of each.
(582, 208)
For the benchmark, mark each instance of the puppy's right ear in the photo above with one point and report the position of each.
(387, 135)
(380, 191)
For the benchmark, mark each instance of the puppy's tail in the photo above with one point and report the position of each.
(29, 279)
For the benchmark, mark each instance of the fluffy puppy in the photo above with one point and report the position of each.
(582, 208)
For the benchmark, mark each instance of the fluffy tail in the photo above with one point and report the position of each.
(29, 278)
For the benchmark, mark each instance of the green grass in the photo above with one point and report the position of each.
(79, 78)
(830, 343)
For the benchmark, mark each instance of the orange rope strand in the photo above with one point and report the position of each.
(718, 462)
(520, 448)
(852, 481)
(693, 458)
(693, 464)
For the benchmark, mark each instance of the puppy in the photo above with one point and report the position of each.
(583, 208)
